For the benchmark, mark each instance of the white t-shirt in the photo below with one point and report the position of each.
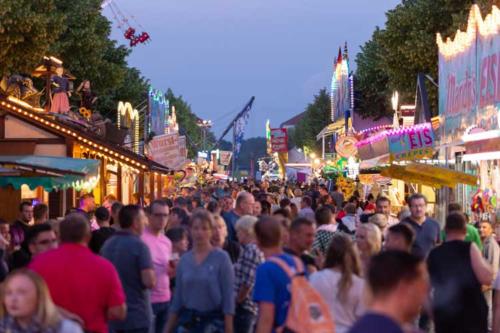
(345, 314)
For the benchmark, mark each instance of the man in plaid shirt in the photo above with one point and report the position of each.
(245, 268)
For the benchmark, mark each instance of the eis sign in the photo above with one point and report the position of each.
(411, 143)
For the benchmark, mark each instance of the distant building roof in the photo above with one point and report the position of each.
(359, 123)
(294, 120)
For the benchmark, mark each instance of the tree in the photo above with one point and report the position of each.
(316, 118)
(407, 46)
(133, 89)
(371, 79)
(27, 29)
(251, 149)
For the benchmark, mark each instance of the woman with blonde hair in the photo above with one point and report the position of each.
(203, 297)
(368, 242)
(340, 283)
(28, 307)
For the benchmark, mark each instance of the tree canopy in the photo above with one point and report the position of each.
(27, 29)
(316, 118)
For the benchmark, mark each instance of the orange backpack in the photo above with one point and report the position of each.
(307, 312)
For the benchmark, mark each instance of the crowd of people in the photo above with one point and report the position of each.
(247, 258)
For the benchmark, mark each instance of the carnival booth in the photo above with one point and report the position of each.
(77, 149)
(469, 97)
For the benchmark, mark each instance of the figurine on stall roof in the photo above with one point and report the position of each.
(87, 99)
(61, 93)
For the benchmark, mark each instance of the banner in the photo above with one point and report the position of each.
(239, 128)
(166, 150)
(412, 143)
(469, 77)
(225, 157)
(279, 140)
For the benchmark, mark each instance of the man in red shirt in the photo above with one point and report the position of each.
(79, 281)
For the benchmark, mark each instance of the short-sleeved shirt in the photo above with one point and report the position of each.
(81, 282)
(161, 252)
(427, 236)
(244, 272)
(130, 256)
(205, 286)
(99, 236)
(230, 218)
(375, 323)
(272, 286)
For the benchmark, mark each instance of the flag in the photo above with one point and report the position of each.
(239, 130)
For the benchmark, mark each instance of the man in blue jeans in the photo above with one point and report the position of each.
(271, 290)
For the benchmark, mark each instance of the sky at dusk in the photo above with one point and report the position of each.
(219, 53)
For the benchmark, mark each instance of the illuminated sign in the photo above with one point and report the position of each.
(279, 140)
(129, 117)
(469, 76)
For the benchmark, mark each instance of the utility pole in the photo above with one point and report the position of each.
(233, 162)
(204, 126)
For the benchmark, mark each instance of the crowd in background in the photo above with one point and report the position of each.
(224, 258)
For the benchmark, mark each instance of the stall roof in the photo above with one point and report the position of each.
(335, 127)
(33, 116)
(47, 171)
(428, 175)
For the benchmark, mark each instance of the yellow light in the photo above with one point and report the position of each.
(124, 108)
(464, 39)
(84, 140)
(312, 155)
